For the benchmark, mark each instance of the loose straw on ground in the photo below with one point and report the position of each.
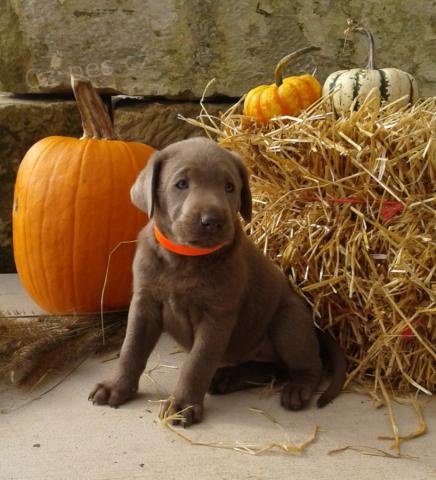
(286, 447)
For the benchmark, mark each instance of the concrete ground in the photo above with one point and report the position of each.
(63, 436)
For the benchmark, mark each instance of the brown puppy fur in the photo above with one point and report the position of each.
(221, 308)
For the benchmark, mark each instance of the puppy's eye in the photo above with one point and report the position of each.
(182, 184)
(229, 187)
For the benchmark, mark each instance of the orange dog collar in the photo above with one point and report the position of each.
(183, 249)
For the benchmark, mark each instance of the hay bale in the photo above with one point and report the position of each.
(347, 207)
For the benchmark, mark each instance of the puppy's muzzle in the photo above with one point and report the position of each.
(208, 226)
(211, 222)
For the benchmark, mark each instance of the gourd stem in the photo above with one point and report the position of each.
(278, 74)
(361, 29)
(95, 118)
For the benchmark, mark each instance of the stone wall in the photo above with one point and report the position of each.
(165, 52)
(172, 48)
(22, 123)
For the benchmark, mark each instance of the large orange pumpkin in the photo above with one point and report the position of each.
(72, 209)
(287, 96)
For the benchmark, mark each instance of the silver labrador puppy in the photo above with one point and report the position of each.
(198, 277)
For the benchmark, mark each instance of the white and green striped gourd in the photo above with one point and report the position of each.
(388, 83)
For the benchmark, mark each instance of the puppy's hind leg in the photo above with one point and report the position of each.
(243, 376)
(293, 335)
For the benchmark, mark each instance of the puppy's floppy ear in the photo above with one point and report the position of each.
(144, 191)
(246, 203)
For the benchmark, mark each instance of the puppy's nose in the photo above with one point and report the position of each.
(211, 221)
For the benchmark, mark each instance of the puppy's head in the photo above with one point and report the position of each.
(194, 189)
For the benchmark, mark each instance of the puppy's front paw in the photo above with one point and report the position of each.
(112, 393)
(182, 412)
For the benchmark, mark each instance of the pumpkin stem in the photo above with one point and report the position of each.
(361, 29)
(95, 118)
(278, 74)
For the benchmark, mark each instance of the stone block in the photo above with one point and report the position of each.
(173, 48)
(22, 123)
(157, 123)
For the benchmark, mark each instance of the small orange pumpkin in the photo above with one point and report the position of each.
(72, 209)
(287, 96)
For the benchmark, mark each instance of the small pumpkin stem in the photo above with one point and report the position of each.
(359, 28)
(95, 118)
(278, 74)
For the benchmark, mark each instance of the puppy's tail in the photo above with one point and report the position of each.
(336, 357)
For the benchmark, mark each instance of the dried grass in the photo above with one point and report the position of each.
(286, 447)
(346, 206)
(34, 346)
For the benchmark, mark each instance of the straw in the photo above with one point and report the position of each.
(286, 447)
(347, 207)
(34, 346)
